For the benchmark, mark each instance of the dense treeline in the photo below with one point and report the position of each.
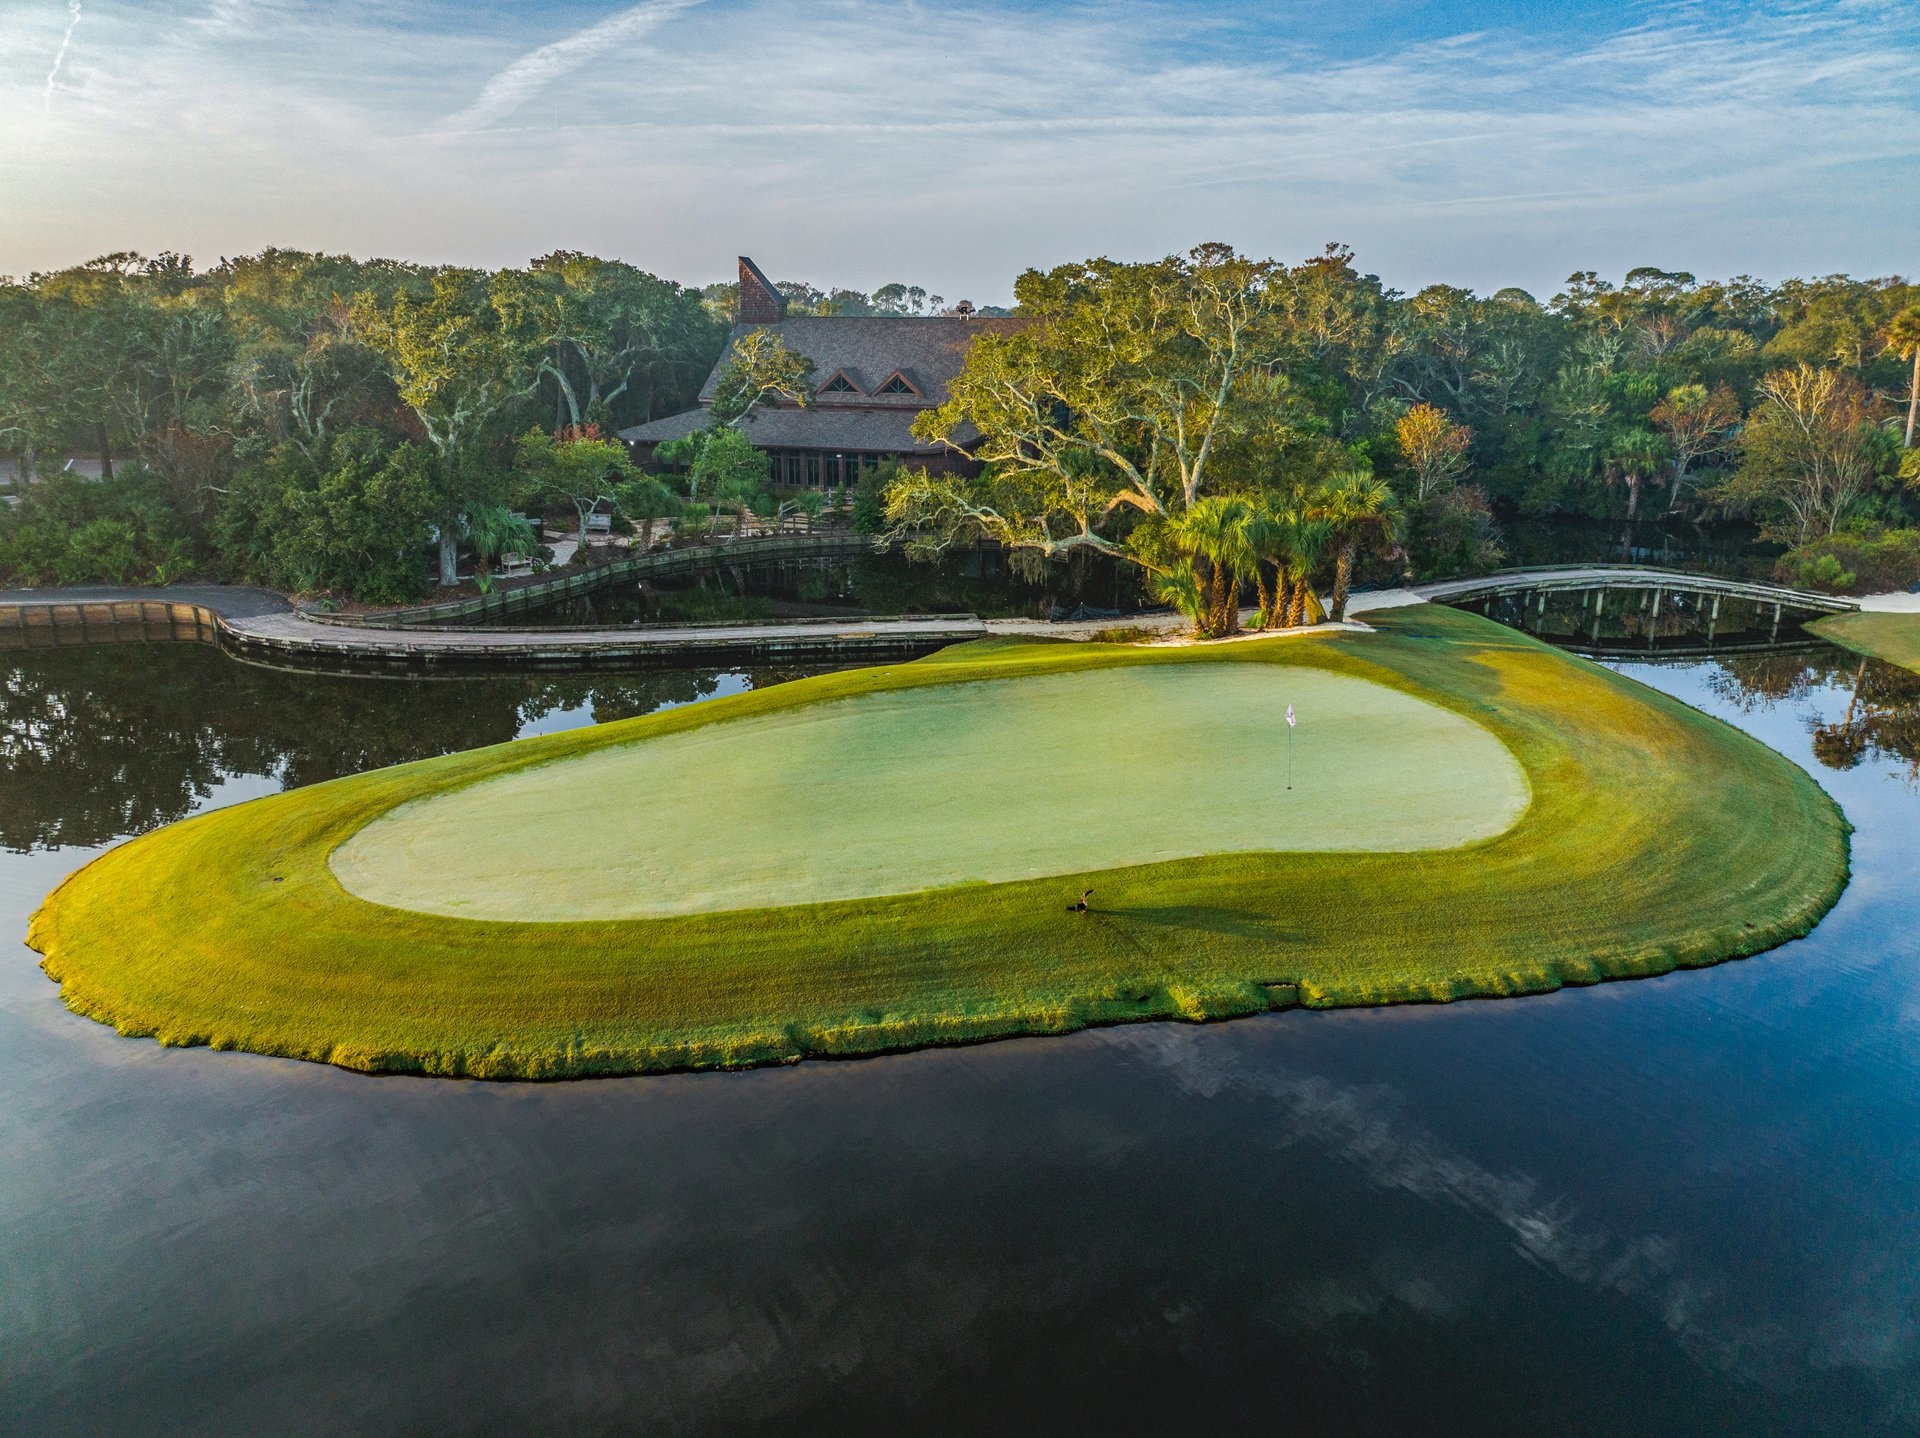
(1226, 423)
(310, 421)
(1237, 427)
(313, 421)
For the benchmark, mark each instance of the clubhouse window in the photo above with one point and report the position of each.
(819, 469)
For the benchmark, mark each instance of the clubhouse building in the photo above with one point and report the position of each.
(872, 374)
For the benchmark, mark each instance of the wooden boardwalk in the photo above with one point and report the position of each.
(292, 640)
(263, 628)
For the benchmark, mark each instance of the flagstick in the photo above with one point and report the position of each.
(1289, 756)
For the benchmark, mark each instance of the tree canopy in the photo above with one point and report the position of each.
(217, 386)
(223, 400)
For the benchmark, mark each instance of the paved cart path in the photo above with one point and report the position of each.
(229, 601)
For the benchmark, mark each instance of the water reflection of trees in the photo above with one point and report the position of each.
(1882, 715)
(102, 742)
(1750, 682)
(1881, 721)
(971, 581)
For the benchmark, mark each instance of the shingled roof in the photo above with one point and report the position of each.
(824, 427)
(871, 347)
(868, 350)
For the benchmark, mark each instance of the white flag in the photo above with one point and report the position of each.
(1291, 721)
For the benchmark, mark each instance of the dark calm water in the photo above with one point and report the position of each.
(1680, 1205)
(975, 581)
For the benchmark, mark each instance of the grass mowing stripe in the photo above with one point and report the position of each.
(1656, 838)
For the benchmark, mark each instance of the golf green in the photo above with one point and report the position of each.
(915, 789)
(1474, 813)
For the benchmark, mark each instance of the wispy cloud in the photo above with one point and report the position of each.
(60, 55)
(1368, 1130)
(858, 141)
(532, 73)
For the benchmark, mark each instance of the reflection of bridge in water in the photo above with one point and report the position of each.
(1629, 607)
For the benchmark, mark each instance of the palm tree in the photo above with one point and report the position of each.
(1182, 587)
(1219, 525)
(1694, 421)
(1308, 546)
(1635, 456)
(1903, 338)
(736, 493)
(1214, 554)
(1356, 506)
(1289, 536)
(496, 530)
(1270, 536)
(649, 501)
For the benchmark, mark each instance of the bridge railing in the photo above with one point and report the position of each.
(812, 621)
(1632, 576)
(654, 564)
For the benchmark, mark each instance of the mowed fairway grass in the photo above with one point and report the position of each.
(1877, 634)
(1530, 820)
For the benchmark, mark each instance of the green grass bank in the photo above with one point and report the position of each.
(1876, 634)
(1654, 838)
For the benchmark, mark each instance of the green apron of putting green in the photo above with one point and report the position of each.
(968, 783)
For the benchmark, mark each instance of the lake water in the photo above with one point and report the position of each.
(1677, 1205)
(972, 581)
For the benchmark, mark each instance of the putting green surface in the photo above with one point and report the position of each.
(925, 788)
(1639, 836)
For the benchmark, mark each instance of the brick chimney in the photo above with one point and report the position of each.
(760, 302)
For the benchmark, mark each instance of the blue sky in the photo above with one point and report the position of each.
(952, 144)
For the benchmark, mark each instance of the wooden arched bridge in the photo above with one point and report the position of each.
(1633, 601)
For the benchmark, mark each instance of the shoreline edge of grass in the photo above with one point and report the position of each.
(1887, 635)
(1659, 839)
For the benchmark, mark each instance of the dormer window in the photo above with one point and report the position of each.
(839, 384)
(897, 383)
